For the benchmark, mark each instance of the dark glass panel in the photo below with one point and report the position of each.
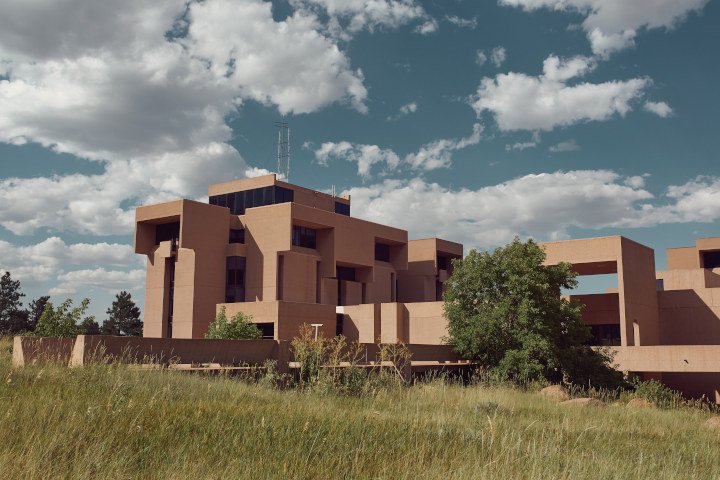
(237, 235)
(345, 273)
(342, 208)
(711, 259)
(213, 200)
(382, 252)
(304, 237)
(167, 231)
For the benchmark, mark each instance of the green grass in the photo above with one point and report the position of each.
(115, 422)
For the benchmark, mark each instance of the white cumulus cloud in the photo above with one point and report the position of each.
(612, 25)
(145, 89)
(543, 206)
(523, 102)
(661, 109)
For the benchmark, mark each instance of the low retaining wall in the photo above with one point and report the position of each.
(32, 350)
(90, 348)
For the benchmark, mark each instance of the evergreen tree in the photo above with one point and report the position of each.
(12, 318)
(89, 326)
(123, 317)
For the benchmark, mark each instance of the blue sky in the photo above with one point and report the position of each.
(473, 121)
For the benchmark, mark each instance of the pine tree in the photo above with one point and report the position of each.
(123, 317)
(11, 313)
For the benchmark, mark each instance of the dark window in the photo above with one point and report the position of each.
(237, 235)
(382, 252)
(345, 273)
(238, 202)
(442, 262)
(283, 195)
(711, 259)
(235, 280)
(339, 324)
(267, 330)
(304, 236)
(167, 231)
(605, 335)
(342, 208)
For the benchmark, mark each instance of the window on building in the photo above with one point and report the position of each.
(443, 262)
(711, 259)
(345, 273)
(304, 236)
(235, 280)
(267, 330)
(237, 235)
(238, 202)
(607, 334)
(342, 208)
(382, 252)
(167, 231)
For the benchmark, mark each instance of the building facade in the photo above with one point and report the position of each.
(287, 255)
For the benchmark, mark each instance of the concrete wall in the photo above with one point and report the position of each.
(635, 266)
(92, 348)
(426, 323)
(34, 350)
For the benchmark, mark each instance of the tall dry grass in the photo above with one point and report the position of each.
(112, 421)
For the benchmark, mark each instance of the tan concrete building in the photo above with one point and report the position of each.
(288, 255)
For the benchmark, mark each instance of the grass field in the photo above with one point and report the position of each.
(116, 422)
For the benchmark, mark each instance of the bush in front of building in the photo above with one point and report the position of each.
(239, 327)
(505, 311)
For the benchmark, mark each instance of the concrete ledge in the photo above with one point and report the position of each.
(668, 358)
(33, 350)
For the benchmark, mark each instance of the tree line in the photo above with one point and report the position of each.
(43, 318)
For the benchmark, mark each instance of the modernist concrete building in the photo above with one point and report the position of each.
(288, 255)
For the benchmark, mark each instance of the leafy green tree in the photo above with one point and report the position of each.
(12, 318)
(123, 317)
(63, 321)
(504, 310)
(89, 326)
(238, 328)
(35, 309)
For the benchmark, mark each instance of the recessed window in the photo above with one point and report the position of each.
(606, 334)
(235, 280)
(382, 252)
(711, 259)
(237, 235)
(345, 273)
(304, 236)
(342, 208)
(238, 202)
(167, 231)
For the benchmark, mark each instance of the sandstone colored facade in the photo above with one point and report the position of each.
(288, 255)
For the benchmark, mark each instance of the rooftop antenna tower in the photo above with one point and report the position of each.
(283, 148)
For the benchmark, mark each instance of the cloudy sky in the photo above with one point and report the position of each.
(469, 120)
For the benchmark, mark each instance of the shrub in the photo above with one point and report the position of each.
(238, 328)
(63, 321)
(332, 365)
(659, 394)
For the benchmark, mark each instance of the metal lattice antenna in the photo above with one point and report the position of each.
(283, 148)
